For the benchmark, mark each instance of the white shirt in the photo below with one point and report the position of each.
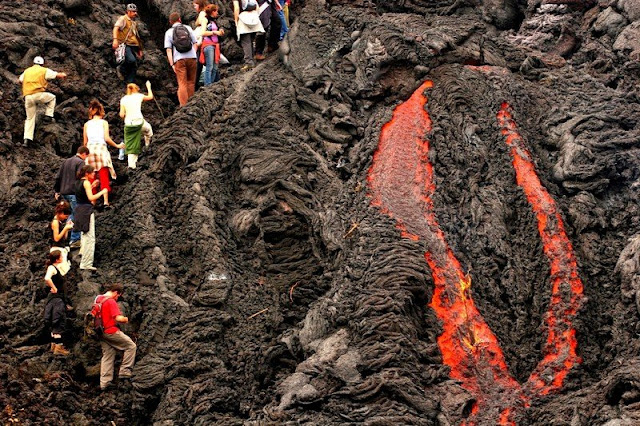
(132, 106)
(168, 44)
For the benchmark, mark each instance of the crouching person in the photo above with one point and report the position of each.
(113, 339)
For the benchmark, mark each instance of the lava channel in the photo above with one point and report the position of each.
(401, 186)
(566, 291)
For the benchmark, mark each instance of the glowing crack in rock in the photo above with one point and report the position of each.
(566, 287)
(401, 185)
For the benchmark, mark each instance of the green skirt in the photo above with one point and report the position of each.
(133, 139)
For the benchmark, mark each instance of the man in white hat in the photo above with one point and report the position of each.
(34, 82)
(247, 18)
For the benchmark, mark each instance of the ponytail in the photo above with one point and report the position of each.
(53, 257)
(62, 208)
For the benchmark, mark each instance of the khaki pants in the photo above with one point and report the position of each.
(111, 343)
(186, 75)
(88, 244)
(31, 103)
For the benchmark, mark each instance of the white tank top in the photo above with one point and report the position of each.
(95, 131)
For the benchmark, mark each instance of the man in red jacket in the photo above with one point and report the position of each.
(113, 339)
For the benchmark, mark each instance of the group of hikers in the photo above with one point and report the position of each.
(83, 181)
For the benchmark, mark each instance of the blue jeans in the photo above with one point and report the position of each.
(283, 29)
(130, 64)
(211, 73)
(71, 199)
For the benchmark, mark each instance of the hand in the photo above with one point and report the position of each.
(62, 75)
(56, 196)
(148, 84)
(54, 290)
(69, 225)
(140, 54)
(95, 183)
(221, 32)
(121, 146)
(115, 44)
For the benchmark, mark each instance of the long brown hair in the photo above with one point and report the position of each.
(53, 257)
(201, 4)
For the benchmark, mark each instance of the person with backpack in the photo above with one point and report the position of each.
(34, 82)
(112, 339)
(125, 31)
(246, 15)
(180, 44)
(65, 186)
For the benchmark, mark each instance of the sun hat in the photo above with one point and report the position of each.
(38, 60)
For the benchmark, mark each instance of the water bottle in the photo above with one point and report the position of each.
(121, 154)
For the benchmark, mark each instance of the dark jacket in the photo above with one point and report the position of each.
(66, 178)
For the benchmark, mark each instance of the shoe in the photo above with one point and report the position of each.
(75, 245)
(27, 142)
(48, 120)
(119, 73)
(107, 207)
(107, 387)
(89, 268)
(260, 57)
(246, 67)
(70, 308)
(59, 349)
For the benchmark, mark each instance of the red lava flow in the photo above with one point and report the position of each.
(402, 185)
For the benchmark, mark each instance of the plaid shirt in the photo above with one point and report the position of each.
(99, 157)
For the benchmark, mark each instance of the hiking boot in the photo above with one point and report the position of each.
(260, 57)
(75, 245)
(27, 142)
(58, 349)
(109, 386)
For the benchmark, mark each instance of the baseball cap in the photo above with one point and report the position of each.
(132, 7)
(38, 60)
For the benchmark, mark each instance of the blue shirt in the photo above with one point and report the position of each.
(168, 44)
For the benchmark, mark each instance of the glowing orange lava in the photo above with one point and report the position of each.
(566, 290)
(402, 185)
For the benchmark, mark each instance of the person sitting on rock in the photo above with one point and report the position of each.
(65, 186)
(95, 136)
(135, 126)
(34, 82)
(61, 227)
(85, 221)
(113, 339)
(125, 31)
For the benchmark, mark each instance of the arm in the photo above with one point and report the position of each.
(107, 137)
(123, 111)
(149, 94)
(236, 11)
(51, 271)
(57, 234)
(56, 185)
(84, 134)
(170, 57)
(90, 195)
(115, 43)
(122, 319)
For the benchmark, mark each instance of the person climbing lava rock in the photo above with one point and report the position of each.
(65, 186)
(34, 82)
(125, 31)
(180, 44)
(113, 339)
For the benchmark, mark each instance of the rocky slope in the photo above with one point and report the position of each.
(262, 283)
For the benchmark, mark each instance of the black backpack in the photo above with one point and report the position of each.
(93, 320)
(182, 39)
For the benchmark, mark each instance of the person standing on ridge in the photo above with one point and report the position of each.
(125, 31)
(65, 186)
(85, 218)
(180, 44)
(55, 312)
(34, 82)
(246, 15)
(113, 339)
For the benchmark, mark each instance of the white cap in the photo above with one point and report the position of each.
(38, 60)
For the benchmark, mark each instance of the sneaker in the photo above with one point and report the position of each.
(27, 142)
(246, 67)
(260, 57)
(75, 245)
(107, 207)
(89, 268)
(48, 120)
(109, 386)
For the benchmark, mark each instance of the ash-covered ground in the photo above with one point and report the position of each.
(263, 286)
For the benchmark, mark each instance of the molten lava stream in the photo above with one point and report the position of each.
(566, 293)
(402, 186)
